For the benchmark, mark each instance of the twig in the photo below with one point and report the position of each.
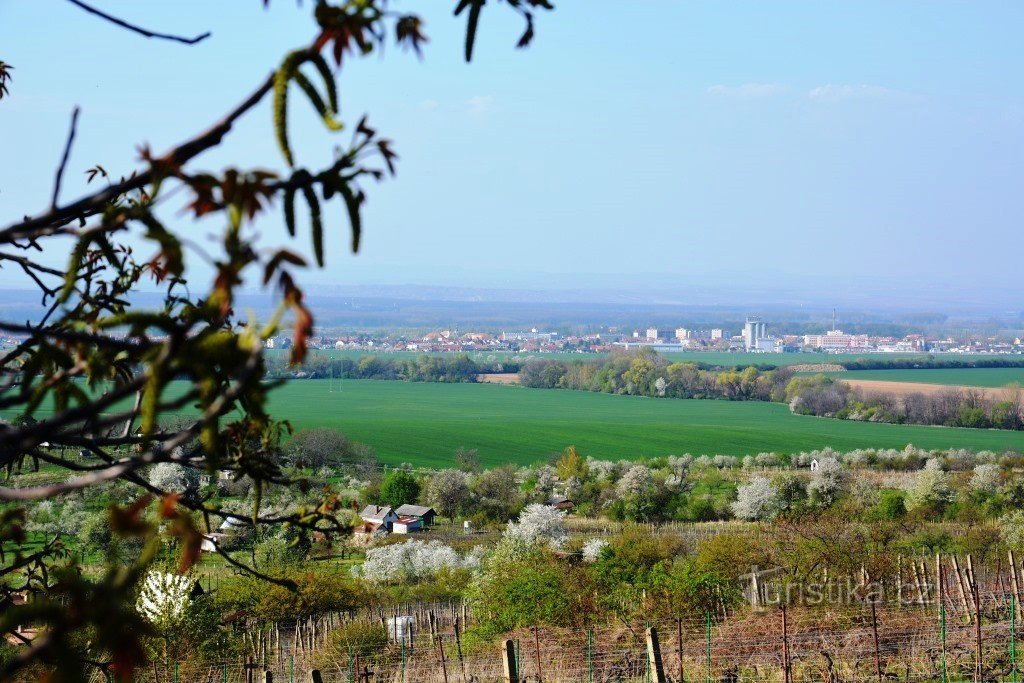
(138, 29)
(64, 158)
(51, 221)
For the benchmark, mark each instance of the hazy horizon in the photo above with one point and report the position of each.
(804, 153)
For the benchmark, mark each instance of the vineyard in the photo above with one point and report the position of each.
(930, 632)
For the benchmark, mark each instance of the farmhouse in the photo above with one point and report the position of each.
(425, 515)
(381, 515)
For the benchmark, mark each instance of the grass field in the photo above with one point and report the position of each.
(425, 423)
(974, 377)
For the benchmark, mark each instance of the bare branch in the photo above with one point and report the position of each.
(51, 221)
(64, 158)
(138, 29)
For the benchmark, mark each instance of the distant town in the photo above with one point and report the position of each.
(755, 337)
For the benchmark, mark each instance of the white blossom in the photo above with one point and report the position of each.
(539, 523)
(412, 561)
(164, 597)
(829, 480)
(593, 548)
(756, 501)
(986, 479)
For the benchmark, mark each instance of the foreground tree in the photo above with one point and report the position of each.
(103, 371)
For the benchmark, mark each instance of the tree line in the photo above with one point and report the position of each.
(453, 368)
(953, 407)
(928, 362)
(644, 372)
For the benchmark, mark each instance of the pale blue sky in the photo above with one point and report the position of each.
(760, 144)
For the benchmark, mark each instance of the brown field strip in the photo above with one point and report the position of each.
(499, 378)
(903, 388)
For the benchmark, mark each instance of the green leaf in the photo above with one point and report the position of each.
(325, 72)
(352, 203)
(281, 78)
(289, 210)
(314, 97)
(317, 223)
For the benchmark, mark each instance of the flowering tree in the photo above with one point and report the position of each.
(828, 481)
(986, 479)
(413, 561)
(448, 490)
(931, 488)
(539, 524)
(172, 477)
(757, 500)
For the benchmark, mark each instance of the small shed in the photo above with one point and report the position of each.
(425, 514)
(405, 525)
(560, 503)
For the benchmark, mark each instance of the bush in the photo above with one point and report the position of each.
(368, 640)
(519, 589)
(315, 593)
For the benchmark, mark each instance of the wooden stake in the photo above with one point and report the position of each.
(1015, 584)
(961, 588)
(878, 654)
(977, 631)
(536, 645)
(785, 647)
(679, 646)
(444, 665)
(654, 662)
(508, 661)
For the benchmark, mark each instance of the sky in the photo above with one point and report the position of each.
(799, 148)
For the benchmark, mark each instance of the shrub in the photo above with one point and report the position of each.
(368, 640)
(517, 590)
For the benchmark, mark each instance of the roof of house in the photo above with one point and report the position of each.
(408, 520)
(414, 510)
(368, 527)
(376, 511)
(557, 500)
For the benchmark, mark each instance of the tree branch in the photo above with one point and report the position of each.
(51, 221)
(64, 158)
(138, 29)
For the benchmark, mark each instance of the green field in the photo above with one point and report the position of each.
(974, 377)
(424, 423)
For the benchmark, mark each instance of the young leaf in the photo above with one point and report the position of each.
(317, 224)
(281, 78)
(317, 102)
(329, 85)
(475, 6)
(353, 201)
(289, 210)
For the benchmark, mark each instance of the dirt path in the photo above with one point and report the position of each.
(904, 388)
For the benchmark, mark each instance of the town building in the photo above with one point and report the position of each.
(753, 330)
